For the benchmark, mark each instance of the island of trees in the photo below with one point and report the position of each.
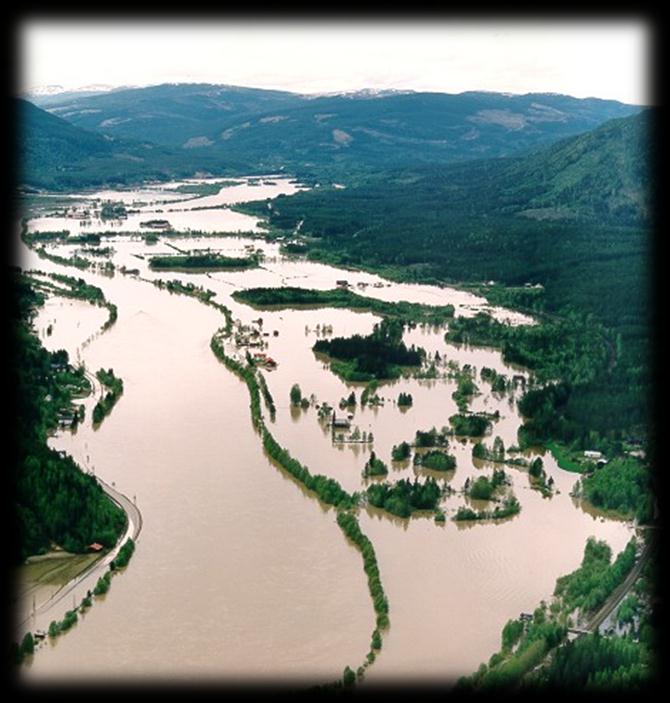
(380, 355)
(432, 437)
(405, 400)
(405, 497)
(202, 262)
(470, 425)
(401, 452)
(510, 506)
(436, 459)
(484, 488)
(291, 297)
(374, 466)
(115, 388)
(113, 210)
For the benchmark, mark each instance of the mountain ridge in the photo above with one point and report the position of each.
(179, 129)
(270, 128)
(55, 154)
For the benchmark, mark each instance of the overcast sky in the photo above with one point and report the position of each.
(604, 59)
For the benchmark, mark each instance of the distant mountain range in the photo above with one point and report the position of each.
(176, 129)
(54, 154)
(45, 95)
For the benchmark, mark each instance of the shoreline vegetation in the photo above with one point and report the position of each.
(267, 396)
(115, 388)
(291, 297)
(535, 649)
(190, 289)
(58, 627)
(94, 238)
(75, 288)
(586, 347)
(326, 489)
(47, 384)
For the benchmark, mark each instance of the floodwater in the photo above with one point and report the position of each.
(163, 202)
(238, 573)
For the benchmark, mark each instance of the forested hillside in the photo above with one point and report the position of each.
(54, 154)
(601, 175)
(470, 223)
(573, 217)
(167, 129)
(168, 114)
(340, 133)
(56, 503)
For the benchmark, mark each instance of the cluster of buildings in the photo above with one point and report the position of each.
(253, 336)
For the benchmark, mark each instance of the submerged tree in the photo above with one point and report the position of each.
(295, 394)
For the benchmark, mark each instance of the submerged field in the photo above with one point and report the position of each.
(230, 537)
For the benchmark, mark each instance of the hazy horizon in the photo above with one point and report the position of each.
(608, 59)
(45, 90)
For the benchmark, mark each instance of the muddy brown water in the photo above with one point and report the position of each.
(241, 575)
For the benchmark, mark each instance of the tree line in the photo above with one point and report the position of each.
(55, 501)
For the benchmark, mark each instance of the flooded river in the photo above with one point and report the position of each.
(238, 573)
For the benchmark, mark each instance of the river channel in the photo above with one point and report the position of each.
(239, 574)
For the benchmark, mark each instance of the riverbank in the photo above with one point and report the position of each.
(94, 566)
(70, 512)
(144, 327)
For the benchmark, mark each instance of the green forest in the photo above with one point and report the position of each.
(500, 228)
(288, 297)
(56, 503)
(202, 262)
(380, 355)
(591, 663)
(404, 496)
(436, 460)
